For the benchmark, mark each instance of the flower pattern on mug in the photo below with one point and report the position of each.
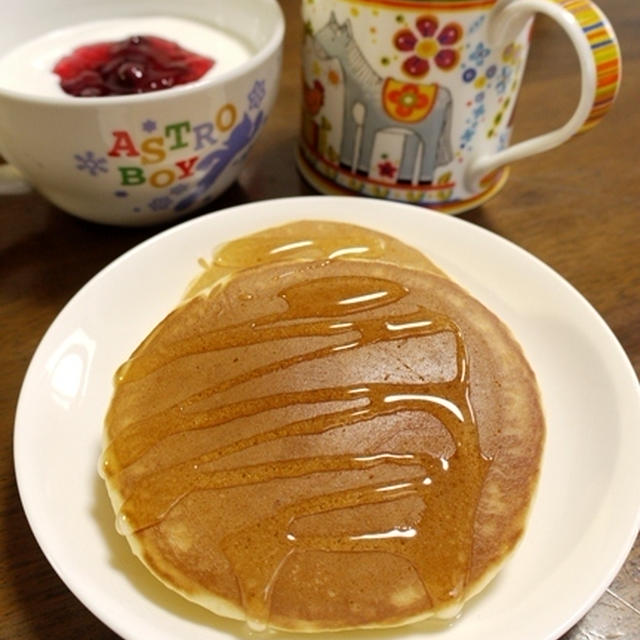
(387, 169)
(480, 54)
(407, 99)
(511, 53)
(428, 42)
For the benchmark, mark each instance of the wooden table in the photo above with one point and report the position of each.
(577, 208)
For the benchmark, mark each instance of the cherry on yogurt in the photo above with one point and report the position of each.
(138, 64)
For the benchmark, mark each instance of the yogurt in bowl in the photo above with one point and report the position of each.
(143, 158)
(32, 66)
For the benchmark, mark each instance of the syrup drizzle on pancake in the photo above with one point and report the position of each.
(352, 312)
(304, 241)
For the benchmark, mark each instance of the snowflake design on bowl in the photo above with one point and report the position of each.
(428, 42)
(91, 163)
(160, 203)
(179, 189)
(257, 94)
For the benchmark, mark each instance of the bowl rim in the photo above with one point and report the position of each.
(270, 47)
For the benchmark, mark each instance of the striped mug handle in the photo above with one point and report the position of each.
(600, 66)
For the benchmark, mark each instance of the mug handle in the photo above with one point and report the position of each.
(600, 65)
(12, 182)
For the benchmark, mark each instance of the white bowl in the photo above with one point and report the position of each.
(145, 158)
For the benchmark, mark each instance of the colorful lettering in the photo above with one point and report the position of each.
(131, 175)
(177, 129)
(186, 166)
(123, 144)
(204, 132)
(162, 178)
(152, 147)
(226, 117)
(156, 148)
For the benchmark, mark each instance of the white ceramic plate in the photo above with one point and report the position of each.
(584, 519)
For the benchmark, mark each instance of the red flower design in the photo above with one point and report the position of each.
(428, 43)
(313, 97)
(387, 169)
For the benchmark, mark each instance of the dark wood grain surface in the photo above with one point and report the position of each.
(577, 208)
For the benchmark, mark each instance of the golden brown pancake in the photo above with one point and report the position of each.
(325, 443)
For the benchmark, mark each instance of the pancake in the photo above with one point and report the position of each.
(329, 441)
(307, 240)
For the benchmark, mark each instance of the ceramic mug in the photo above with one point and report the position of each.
(146, 158)
(413, 100)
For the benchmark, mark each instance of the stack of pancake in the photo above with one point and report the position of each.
(327, 433)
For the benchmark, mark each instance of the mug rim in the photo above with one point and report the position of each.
(273, 43)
